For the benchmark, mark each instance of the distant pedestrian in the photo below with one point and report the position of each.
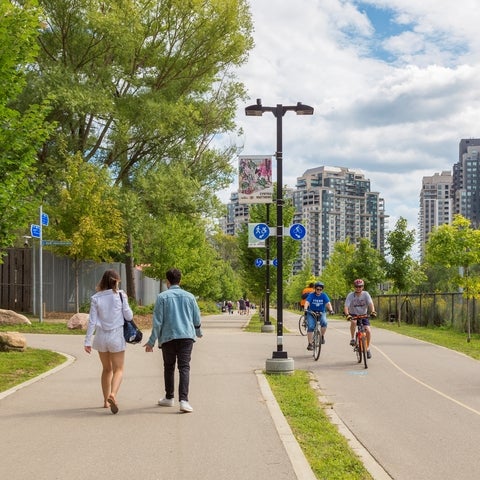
(230, 307)
(107, 314)
(176, 325)
(242, 308)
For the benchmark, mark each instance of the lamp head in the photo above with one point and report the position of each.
(302, 109)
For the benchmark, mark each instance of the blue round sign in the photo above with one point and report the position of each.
(275, 262)
(261, 231)
(297, 231)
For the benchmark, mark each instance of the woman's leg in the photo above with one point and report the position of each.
(107, 374)
(118, 361)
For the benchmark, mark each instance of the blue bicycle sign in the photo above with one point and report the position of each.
(261, 231)
(297, 231)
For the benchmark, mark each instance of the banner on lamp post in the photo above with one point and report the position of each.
(255, 179)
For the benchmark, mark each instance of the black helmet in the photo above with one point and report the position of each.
(319, 284)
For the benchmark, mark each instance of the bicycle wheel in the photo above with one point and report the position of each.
(302, 325)
(358, 348)
(364, 350)
(317, 343)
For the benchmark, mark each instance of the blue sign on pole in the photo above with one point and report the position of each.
(275, 262)
(297, 231)
(258, 262)
(45, 219)
(261, 231)
(35, 230)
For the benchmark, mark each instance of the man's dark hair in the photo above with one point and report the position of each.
(174, 275)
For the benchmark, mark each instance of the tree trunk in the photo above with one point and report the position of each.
(130, 269)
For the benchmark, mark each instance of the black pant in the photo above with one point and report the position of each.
(177, 350)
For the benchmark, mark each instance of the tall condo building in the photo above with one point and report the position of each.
(436, 205)
(336, 203)
(466, 181)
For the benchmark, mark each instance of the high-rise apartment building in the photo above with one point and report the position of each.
(336, 203)
(466, 181)
(237, 215)
(436, 205)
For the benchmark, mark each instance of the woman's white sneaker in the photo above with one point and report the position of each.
(166, 402)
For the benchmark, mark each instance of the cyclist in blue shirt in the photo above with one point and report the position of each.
(317, 301)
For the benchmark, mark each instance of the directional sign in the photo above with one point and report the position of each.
(35, 230)
(258, 262)
(56, 242)
(275, 262)
(261, 231)
(297, 231)
(44, 219)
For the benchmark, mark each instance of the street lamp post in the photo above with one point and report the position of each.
(279, 111)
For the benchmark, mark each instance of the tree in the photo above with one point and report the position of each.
(87, 214)
(457, 245)
(367, 263)
(336, 274)
(22, 132)
(137, 84)
(298, 282)
(402, 270)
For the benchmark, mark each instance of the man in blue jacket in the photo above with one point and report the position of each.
(176, 325)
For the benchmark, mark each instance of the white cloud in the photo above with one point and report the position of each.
(394, 106)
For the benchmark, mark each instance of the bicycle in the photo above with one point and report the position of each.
(302, 324)
(317, 334)
(360, 346)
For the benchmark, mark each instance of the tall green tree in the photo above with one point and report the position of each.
(87, 214)
(457, 245)
(402, 269)
(337, 272)
(367, 263)
(142, 83)
(22, 132)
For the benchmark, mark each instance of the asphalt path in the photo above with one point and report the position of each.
(416, 408)
(57, 428)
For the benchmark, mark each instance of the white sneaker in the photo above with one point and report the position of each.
(166, 402)
(185, 406)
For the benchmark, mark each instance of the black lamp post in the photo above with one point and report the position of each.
(279, 111)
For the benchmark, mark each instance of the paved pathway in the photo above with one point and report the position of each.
(55, 428)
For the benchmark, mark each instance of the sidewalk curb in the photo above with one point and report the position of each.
(69, 361)
(299, 463)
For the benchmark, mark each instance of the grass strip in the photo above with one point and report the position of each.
(443, 336)
(18, 367)
(55, 328)
(326, 450)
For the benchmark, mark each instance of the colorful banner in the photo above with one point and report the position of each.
(255, 179)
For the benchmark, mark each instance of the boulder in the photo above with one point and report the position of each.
(9, 317)
(78, 322)
(12, 342)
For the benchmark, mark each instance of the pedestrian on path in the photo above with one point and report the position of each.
(106, 318)
(176, 325)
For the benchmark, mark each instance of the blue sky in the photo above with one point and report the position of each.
(394, 84)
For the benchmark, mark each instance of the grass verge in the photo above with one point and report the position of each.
(443, 336)
(44, 327)
(18, 367)
(326, 450)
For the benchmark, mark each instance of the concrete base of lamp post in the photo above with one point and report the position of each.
(279, 365)
(268, 328)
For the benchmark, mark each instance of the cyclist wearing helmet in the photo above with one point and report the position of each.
(317, 301)
(359, 302)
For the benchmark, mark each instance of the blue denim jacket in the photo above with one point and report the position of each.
(176, 315)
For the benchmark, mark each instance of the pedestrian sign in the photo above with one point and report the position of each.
(261, 231)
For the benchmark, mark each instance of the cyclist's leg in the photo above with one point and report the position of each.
(353, 327)
(310, 327)
(368, 331)
(323, 323)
